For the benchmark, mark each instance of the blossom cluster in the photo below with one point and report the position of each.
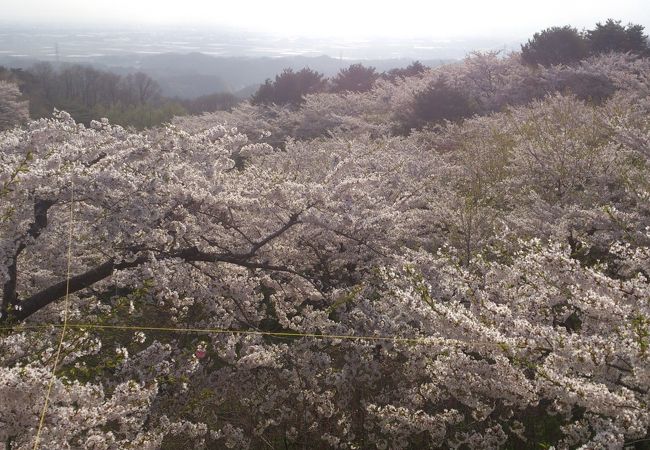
(480, 284)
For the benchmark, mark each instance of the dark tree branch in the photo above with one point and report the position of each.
(9, 295)
(359, 241)
(293, 219)
(85, 280)
(43, 298)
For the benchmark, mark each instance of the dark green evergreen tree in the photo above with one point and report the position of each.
(356, 78)
(289, 87)
(555, 45)
(614, 37)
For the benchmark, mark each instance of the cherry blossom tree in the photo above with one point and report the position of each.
(476, 284)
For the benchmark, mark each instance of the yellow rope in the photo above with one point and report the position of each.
(65, 323)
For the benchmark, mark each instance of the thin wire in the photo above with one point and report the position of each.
(636, 442)
(412, 340)
(65, 322)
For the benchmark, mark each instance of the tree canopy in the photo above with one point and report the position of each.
(555, 45)
(13, 110)
(566, 45)
(614, 37)
(289, 87)
(414, 69)
(303, 276)
(356, 78)
(90, 94)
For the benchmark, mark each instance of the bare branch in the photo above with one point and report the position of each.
(9, 296)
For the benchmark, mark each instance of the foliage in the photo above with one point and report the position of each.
(441, 102)
(140, 116)
(614, 37)
(490, 81)
(508, 253)
(585, 85)
(565, 45)
(90, 94)
(289, 87)
(220, 101)
(555, 45)
(412, 70)
(13, 110)
(356, 78)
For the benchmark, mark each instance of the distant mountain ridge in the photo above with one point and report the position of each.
(189, 75)
(184, 75)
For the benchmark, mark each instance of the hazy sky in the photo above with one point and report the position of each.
(405, 18)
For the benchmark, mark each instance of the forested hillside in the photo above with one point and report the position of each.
(455, 257)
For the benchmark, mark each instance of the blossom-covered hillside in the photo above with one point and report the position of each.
(374, 275)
